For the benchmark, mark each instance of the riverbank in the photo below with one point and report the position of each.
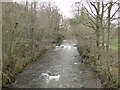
(58, 68)
(100, 69)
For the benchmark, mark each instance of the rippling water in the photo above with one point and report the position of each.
(60, 68)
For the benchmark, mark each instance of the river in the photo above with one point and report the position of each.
(61, 67)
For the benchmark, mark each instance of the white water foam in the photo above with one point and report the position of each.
(50, 77)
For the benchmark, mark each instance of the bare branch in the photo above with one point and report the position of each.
(87, 24)
(91, 8)
(88, 12)
(112, 5)
(92, 25)
(115, 18)
(102, 13)
(94, 6)
(78, 2)
(92, 20)
(115, 13)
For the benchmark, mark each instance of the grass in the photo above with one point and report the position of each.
(100, 67)
(114, 43)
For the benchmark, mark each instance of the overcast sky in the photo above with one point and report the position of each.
(65, 5)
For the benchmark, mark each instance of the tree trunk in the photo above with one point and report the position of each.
(102, 29)
(108, 41)
(98, 30)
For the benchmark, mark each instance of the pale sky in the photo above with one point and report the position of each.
(65, 5)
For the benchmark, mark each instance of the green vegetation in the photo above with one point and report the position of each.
(114, 43)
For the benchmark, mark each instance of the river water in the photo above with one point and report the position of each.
(58, 68)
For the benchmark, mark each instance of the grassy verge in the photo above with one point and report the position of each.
(114, 44)
(100, 66)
